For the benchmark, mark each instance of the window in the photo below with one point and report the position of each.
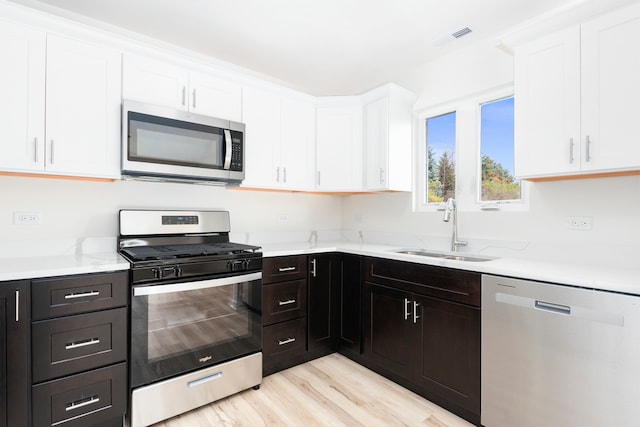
(466, 151)
(497, 152)
(441, 158)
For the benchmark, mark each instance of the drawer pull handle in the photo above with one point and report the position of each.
(82, 402)
(287, 341)
(287, 302)
(83, 343)
(283, 269)
(82, 295)
(206, 379)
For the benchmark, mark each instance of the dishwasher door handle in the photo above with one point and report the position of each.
(555, 308)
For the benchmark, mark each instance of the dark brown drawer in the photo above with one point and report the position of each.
(88, 399)
(285, 337)
(284, 268)
(284, 301)
(78, 343)
(440, 282)
(63, 296)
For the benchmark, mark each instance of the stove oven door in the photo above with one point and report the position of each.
(181, 327)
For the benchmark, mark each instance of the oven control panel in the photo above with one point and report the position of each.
(179, 219)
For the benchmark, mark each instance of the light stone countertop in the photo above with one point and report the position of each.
(619, 278)
(60, 265)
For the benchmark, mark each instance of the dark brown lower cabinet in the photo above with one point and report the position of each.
(349, 305)
(322, 304)
(428, 344)
(79, 350)
(15, 385)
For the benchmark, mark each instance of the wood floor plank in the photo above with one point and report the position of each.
(330, 391)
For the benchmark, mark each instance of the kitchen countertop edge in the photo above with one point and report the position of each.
(584, 275)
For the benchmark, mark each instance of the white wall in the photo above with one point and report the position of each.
(86, 209)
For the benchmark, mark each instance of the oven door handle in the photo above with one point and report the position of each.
(139, 291)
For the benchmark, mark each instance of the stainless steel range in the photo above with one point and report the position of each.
(195, 311)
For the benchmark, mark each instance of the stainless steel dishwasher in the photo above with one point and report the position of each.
(557, 355)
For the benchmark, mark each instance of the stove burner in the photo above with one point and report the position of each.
(146, 253)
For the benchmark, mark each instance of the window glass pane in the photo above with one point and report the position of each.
(496, 151)
(441, 157)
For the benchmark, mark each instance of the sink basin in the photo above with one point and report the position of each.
(456, 257)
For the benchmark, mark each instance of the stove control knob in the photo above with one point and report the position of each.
(157, 273)
(245, 264)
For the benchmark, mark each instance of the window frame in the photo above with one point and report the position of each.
(521, 204)
(468, 139)
(421, 184)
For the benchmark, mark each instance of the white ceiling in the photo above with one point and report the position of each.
(322, 47)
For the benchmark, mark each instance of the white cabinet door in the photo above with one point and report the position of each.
(547, 105)
(339, 146)
(298, 144)
(82, 108)
(21, 97)
(611, 90)
(156, 82)
(376, 137)
(163, 83)
(576, 95)
(215, 97)
(261, 116)
(388, 120)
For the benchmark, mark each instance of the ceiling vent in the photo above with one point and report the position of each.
(448, 38)
(462, 32)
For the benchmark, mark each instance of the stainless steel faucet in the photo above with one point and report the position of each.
(449, 211)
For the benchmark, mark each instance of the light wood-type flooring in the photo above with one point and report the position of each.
(330, 391)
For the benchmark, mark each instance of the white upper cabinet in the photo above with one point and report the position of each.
(280, 140)
(576, 95)
(65, 121)
(611, 91)
(22, 79)
(339, 144)
(83, 89)
(163, 83)
(387, 138)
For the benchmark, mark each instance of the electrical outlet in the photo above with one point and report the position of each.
(579, 222)
(27, 218)
(283, 217)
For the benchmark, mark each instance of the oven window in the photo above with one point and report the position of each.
(183, 322)
(177, 331)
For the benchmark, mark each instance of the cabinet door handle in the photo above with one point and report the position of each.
(83, 343)
(406, 308)
(83, 402)
(51, 153)
(284, 175)
(194, 98)
(287, 341)
(571, 144)
(313, 267)
(287, 302)
(415, 312)
(588, 149)
(35, 149)
(17, 306)
(283, 269)
(82, 295)
(184, 95)
(278, 174)
(318, 177)
(381, 176)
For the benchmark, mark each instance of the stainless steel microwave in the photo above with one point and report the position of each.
(165, 144)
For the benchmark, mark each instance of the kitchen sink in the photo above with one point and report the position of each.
(456, 257)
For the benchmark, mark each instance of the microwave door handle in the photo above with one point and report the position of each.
(227, 150)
